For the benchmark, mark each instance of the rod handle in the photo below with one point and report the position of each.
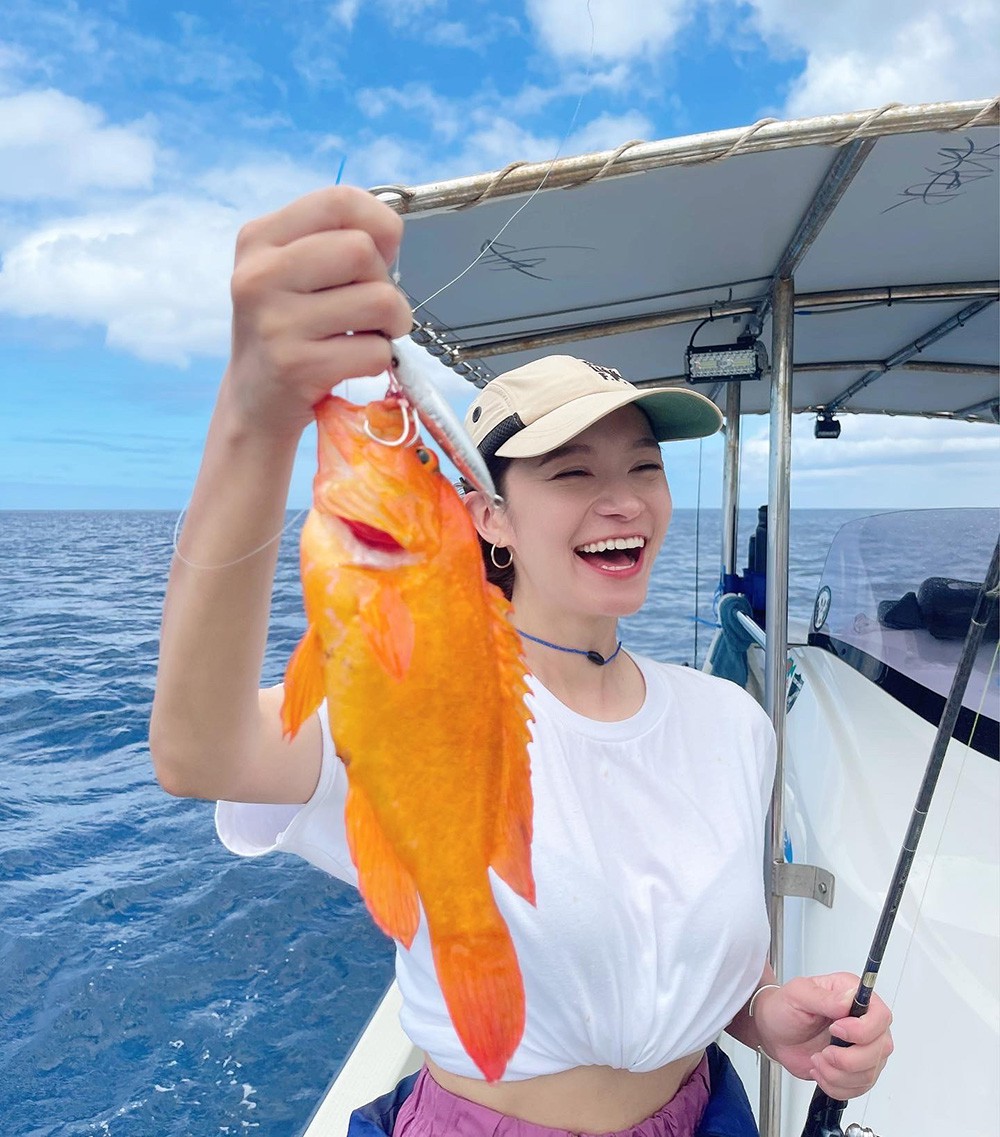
(823, 1116)
(825, 1112)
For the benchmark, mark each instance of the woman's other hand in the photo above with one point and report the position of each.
(797, 1022)
(313, 303)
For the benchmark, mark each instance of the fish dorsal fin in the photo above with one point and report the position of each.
(511, 858)
(303, 683)
(383, 880)
(388, 628)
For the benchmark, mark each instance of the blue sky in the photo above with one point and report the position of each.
(135, 139)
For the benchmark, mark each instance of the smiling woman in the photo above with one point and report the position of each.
(581, 986)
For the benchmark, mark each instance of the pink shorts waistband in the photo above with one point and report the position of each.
(431, 1111)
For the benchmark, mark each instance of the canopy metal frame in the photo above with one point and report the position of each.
(467, 359)
(637, 156)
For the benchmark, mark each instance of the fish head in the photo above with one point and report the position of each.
(377, 488)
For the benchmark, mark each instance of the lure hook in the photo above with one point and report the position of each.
(411, 423)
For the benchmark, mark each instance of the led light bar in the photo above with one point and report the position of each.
(746, 359)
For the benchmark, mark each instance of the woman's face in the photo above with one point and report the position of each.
(566, 512)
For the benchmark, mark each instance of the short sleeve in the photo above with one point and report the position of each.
(314, 831)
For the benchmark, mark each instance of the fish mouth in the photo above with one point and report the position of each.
(370, 537)
(613, 554)
(366, 546)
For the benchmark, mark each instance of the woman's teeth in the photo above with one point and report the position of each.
(613, 543)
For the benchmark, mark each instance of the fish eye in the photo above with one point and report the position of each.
(425, 456)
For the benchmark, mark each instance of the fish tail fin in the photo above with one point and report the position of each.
(384, 882)
(511, 856)
(303, 683)
(482, 987)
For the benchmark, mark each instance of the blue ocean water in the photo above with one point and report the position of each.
(152, 984)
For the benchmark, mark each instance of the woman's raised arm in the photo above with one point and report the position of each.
(304, 278)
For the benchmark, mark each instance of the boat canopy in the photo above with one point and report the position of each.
(888, 221)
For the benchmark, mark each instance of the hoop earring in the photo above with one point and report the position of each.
(493, 557)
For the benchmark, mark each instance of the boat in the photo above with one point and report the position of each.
(848, 264)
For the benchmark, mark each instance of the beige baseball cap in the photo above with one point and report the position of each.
(535, 408)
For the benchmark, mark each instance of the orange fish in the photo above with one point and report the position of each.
(425, 683)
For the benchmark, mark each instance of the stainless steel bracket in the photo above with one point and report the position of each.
(809, 881)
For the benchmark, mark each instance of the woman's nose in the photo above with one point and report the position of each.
(619, 500)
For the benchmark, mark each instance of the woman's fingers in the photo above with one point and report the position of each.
(357, 355)
(870, 1026)
(797, 1022)
(849, 1071)
(325, 260)
(370, 307)
(313, 304)
(327, 210)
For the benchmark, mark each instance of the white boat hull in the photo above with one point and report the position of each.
(854, 761)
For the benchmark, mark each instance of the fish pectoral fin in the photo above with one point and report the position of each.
(385, 883)
(304, 690)
(389, 630)
(482, 986)
(511, 857)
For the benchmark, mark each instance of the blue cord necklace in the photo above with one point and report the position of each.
(593, 656)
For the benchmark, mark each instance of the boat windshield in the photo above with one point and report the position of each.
(895, 600)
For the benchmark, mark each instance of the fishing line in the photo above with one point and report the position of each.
(966, 748)
(488, 245)
(228, 564)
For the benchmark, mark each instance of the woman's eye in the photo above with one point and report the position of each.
(571, 474)
(647, 466)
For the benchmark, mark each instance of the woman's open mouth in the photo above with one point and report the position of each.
(614, 555)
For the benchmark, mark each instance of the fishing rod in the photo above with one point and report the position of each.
(825, 1112)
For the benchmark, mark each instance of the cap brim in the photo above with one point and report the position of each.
(674, 413)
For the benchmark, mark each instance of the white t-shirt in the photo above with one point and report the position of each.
(650, 929)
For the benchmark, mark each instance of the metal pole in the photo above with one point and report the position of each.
(838, 298)
(731, 480)
(776, 652)
(959, 320)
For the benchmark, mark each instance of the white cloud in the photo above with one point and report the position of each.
(860, 54)
(262, 183)
(608, 131)
(55, 146)
(608, 29)
(487, 138)
(152, 269)
(344, 12)
(880, 461)
(155, 275)
(445, 117)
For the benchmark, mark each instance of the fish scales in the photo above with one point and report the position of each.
(421, 667)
